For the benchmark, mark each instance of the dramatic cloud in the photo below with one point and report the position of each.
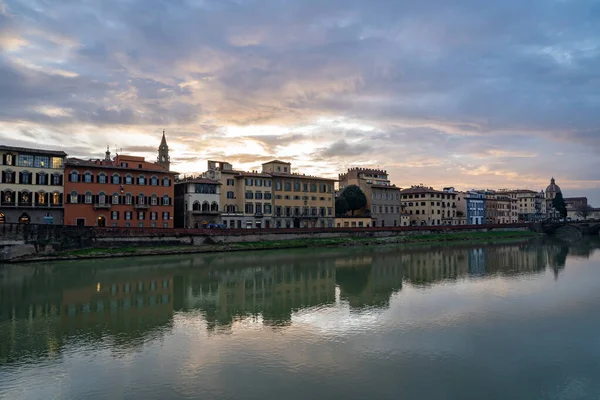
(501, 94)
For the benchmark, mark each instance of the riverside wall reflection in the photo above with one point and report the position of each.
(46, 307)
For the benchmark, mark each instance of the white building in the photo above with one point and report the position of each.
(197, 203)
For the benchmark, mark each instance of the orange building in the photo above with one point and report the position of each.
(125, 191)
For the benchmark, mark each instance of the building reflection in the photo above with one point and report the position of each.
(126, 302)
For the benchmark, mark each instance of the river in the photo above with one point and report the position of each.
(506, 321)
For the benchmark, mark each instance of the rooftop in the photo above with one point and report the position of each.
(198, 180)
(277, 161)
(78, 162)
(36, 151)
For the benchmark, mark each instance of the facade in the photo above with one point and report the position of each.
(460, 217)
(125, 191)
(31, 190)
(383, 198)
(245, 199)
(429, 207)
(475, 207)
(531, 204)
(197, 203)
(353, 222)
(300, 201)
(501, 208)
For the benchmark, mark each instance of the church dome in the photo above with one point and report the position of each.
(553, 187)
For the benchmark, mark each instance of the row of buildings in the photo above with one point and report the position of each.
(47, 187)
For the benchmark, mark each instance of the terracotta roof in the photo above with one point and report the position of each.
(102, 164)
(422, 190)
(253, 174)
(38, 151)
(277, 161)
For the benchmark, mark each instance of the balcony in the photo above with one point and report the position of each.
(101, 206)
(141, 206)
(258, 214)
(209, 212)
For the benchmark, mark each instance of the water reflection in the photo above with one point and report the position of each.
(128, 302)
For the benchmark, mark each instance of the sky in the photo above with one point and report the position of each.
(464, 93)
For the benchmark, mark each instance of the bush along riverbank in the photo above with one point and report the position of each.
(408, 240)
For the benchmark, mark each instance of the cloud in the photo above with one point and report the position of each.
(436, 92)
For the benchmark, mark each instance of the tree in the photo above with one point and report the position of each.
(355, 197)
(584, 210)
(559, 205)
(341, 206)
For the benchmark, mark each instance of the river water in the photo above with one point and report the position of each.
(510, 321)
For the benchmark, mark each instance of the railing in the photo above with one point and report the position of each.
(31, 205)
(141, 206)
(102, 206)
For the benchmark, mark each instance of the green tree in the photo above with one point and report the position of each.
(341, 206)
(355, 197)
(559, 205)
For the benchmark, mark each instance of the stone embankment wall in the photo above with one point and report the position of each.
(17, 240)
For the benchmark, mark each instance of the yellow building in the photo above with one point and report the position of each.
(531, 205)
(273, 197)
(428, 207)
(300, 201)
(353, 222)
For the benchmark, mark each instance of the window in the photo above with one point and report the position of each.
(153, 216)
(249, 208)
(258, 195)
(25, 178)
(73, 198)
(41, 161)
(288, 186)
(166, 200)
(141, 180)
(165, 215)
(57, 163)
(297, 186)
(141, 199)
(128, 198)
(258, 182)
(23, 160)
(57, 180)
(249, 195)
(88, 198)
(249, 182)
(230, 182)
(165, 224)
(153, 181)
(268, 209)
(153, 200)
(277, 185)
(128, 179)
(128, 215)
(55, 198)
(267, 195)
(166, 181)
(101, 178)
(114, 215)
(42, 179)
(74, 176)
(115, 198)
(116, 179)
(267, 183)
(87, 177)
(101, 198)
(9, 159)
(141, 215)
(313, 187)
(140, 224)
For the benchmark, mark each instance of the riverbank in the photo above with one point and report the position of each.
(409, 240)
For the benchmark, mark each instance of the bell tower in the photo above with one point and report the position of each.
(163, 153)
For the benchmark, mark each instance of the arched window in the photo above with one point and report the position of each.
(154, 181)
(214, 206)
(25, 198)
(230, 208)
(115, 198)
(128, 179)
(116, 179)
(141, 180)
(102, 198)
(128, 198)
(205, 206)
(166, 181)
(101, 177)
(153, 200)
(141, 199)
(166, 200)
(25, 178)
(56, 179)
(8, 197)
(88, 197)
(74, 176)
(196, 206)
(56, 198)
(73, 197)
(24, 218)
(41, 198)
(87, 177)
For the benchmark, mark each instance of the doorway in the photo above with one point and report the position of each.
(102, 221)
